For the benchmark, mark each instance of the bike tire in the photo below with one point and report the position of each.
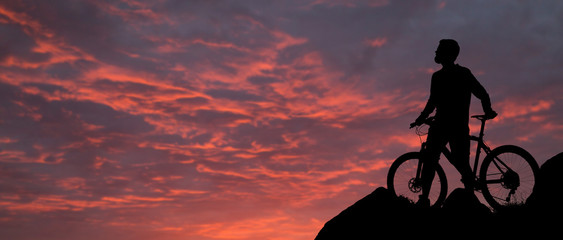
(404, 168)
(496, 186)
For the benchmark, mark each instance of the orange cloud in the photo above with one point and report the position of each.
(377, 42)
(266, 227)
(515, 108)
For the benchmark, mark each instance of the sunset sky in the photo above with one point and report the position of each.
(263, 119)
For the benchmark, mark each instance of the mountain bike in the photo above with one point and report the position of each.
(507, 176)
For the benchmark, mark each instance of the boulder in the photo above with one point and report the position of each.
(546, 198)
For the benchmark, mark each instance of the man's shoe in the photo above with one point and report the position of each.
(423, 202)
(469, 183)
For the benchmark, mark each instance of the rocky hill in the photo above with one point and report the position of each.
(381, 215)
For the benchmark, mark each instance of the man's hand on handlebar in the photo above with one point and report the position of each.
(414, 124)
(419, 121)
(491, 114)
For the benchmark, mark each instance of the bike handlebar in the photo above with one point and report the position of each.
(485, 116)
(429, 120)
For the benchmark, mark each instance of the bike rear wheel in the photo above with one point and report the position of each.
(508, 176)
(402, 180)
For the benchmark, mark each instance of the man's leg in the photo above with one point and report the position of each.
(435, 142)
(459, 145)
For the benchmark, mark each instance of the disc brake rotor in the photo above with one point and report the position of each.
(414, 185)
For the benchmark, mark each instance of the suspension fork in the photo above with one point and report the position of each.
(422, 158)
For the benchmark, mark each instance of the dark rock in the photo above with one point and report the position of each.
(546, 197)
(378, 209)
(382, 212)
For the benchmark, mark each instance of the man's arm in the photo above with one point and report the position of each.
(479, 91)
(428, 109)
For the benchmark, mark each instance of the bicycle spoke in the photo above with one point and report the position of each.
(493, 181)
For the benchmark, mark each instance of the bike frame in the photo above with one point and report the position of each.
(480, 146)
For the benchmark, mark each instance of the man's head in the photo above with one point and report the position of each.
(447, 51)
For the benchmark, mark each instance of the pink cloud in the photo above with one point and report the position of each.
(377, 42)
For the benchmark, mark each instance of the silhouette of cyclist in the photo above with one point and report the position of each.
(450, 94)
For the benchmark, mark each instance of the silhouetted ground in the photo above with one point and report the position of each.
(548, 193)
(381, 215)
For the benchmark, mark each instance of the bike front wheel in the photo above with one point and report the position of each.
(402, 180)
(508, 176)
